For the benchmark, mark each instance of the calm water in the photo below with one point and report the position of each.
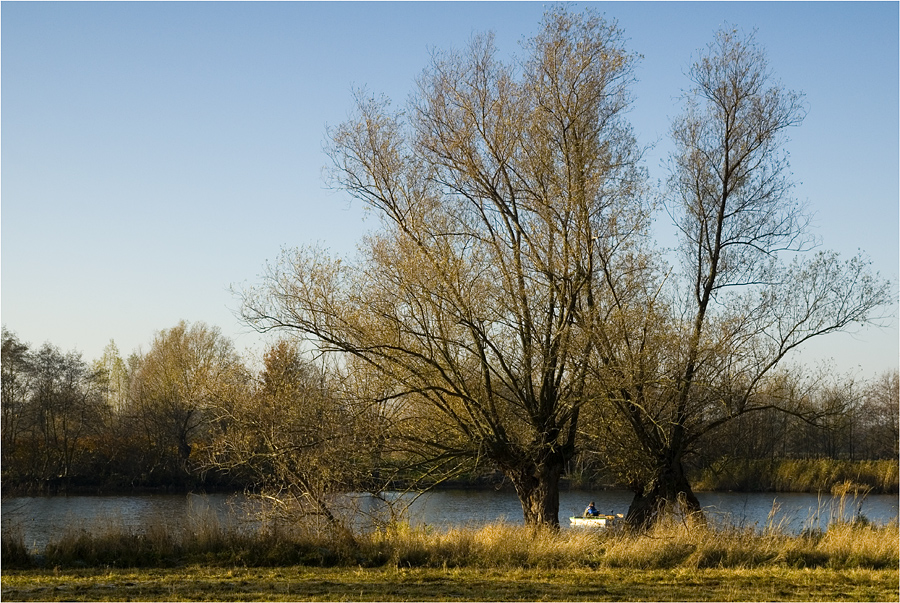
(44, 518)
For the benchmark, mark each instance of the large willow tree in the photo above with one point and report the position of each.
(713, 341)
(509, 201)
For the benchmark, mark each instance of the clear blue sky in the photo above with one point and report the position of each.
(153, 154)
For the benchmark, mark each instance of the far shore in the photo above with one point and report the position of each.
(818, 476)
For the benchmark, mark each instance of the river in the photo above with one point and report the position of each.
(44, 518)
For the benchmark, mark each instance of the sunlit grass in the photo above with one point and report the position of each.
(673, 561)
(669, 545)
(800, 475)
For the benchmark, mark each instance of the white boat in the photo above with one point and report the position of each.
(597, 521)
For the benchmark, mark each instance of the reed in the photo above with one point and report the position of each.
(13, 551)
(842, 546)
(852, 545)
(671, 545)
(799, 475)
(496, 545)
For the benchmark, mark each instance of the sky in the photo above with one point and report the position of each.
(155, 156)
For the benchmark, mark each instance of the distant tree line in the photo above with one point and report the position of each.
(855, 421)
(190, 413)
(836, 425)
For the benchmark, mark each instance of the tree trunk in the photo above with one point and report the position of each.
(538, 491)
(667, 493)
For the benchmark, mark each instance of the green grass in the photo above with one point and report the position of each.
(202, 583)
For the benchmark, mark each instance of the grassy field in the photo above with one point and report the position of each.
(203, 583)
(677, 561)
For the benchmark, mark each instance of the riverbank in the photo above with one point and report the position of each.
(797, 475)
(203, 583)
(848, 561)
(724, 475)
(844, 545)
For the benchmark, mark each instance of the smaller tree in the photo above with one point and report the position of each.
(113, 375)
(292, 439)
(64, 407)
(177, 387)
(15, 410)
(16, 382)
(715, 354)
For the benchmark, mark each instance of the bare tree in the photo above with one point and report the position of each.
(878, 417)
(17, 376)
(508, 195)
(52, 403)
(176, 390)
(293, 439)
(113, 374)
(741, 310)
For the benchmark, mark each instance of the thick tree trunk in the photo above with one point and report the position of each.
(667, 493)
(538, 491)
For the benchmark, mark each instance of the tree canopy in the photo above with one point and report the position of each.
(505, 192)
(739, 305)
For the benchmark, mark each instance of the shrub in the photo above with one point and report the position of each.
(14, 552)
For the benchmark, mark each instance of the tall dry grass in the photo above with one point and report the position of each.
(495, 546)
(13, 551)
(679, 545)
(800, 475)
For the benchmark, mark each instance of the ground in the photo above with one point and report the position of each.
(201, 583)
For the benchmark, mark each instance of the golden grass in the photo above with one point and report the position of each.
(800, 475)
(494, 545)
(673, 561)
(667, 546)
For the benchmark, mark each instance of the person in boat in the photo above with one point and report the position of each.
(591, 510)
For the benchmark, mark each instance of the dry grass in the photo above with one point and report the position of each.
(667, 546)
(842, 546)
(14, 553)
(800, 475)
(494, 545)
(676, 561)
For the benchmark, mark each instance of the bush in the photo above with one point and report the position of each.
(14, 552)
